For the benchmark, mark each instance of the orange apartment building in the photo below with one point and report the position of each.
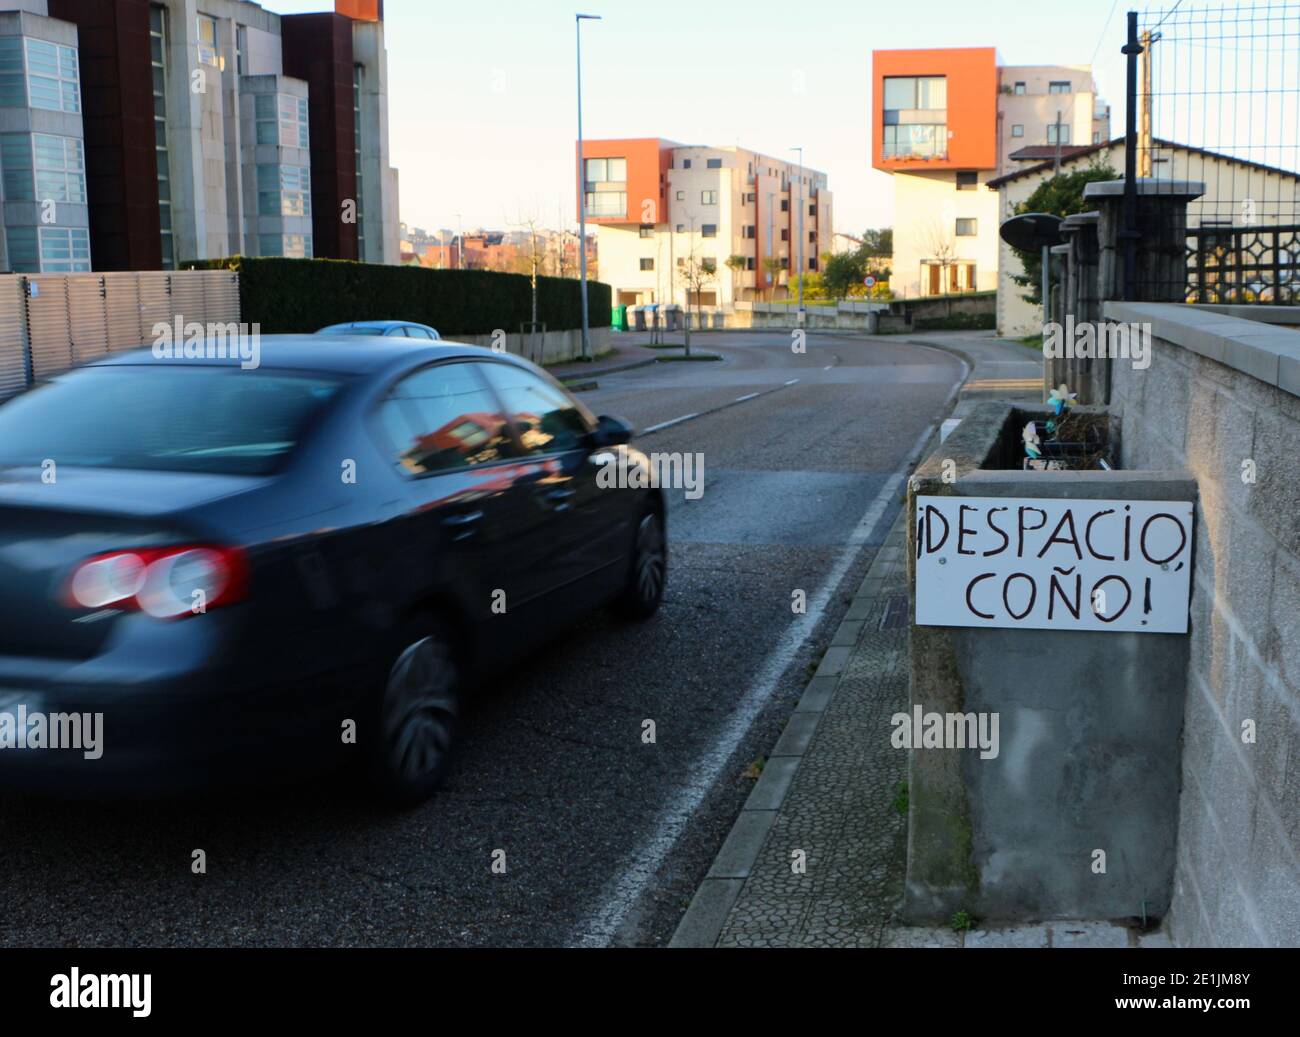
(660, 207)
(944, 123)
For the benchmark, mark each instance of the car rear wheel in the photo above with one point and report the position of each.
(648, 576)
(418, 709)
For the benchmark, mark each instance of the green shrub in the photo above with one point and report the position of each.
(292, 296)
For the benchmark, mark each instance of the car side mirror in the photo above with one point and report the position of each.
(611, 432)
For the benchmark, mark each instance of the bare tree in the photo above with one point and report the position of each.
(939, 244)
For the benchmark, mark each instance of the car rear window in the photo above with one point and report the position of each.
(348, 329)
(167, 419)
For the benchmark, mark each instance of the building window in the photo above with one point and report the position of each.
(1017, 129)
(967, 181)
(284, 190)
(1059, 87)
(785, 233)
(812, 263)
(750, 232)
(686, 163)
(49, 79)
(54, 250)
(65, 251)
(282, 120)
(285, 246)
(967, 228)
(681, 228)
(1062, 138)
(647, 264)
(681, 196)
(607, 203)
(714, 163)
(915, 117)
(785, 205)
(60, 168)
(708, 197)
(709, 265)
(241, 49)
(604, 178)
(812, 237)
(606, 171)
(709, 230)
(1020, 88)
(812, 210)
(647, 230)
(158, 55)
(1096, 136)
(751, 198)
(749, 263)
(207, 30)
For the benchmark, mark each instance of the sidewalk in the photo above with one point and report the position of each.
(817, 857)
(626, 355)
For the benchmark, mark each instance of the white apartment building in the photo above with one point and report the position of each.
(663, 210)
(945, 123)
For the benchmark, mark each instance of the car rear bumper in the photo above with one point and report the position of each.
(159, 722)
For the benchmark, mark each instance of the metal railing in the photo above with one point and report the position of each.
(1244, 265)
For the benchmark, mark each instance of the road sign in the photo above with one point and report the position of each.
(1042, 564)
(870, 282)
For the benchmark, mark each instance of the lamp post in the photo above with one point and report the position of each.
(578, 19)
(801, 262)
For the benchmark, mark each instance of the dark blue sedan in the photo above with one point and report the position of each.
(314, 559)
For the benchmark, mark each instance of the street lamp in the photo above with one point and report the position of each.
(801, 262)
(578, 19)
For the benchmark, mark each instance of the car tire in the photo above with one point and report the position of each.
(416, 713)
(648, 570)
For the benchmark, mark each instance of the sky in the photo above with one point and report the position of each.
(483, 111)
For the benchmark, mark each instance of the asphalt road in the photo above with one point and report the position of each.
(604, 836)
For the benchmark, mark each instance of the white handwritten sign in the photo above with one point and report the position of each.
(1045, 564)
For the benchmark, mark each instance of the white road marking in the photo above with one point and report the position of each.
(746, 399)
(792, 381)
(636, 874)
(668, 424)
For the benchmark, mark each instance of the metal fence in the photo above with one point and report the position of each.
(1244, 265)
(1214, 97)
(51, 322)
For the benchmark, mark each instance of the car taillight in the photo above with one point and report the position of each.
(166, 583)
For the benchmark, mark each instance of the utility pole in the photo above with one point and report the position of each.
(1144, 104)
(1057, 170)
(578, 19)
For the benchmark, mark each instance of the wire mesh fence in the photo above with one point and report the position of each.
(1217, 102)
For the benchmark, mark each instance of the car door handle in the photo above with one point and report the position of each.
(463, 526)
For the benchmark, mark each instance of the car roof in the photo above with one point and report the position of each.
(343, 354)
(380, 324)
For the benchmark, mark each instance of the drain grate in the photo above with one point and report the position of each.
(895, 617)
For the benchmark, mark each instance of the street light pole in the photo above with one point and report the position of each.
(801, 262)
(578, 19)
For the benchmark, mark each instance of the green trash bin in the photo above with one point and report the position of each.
(620, 318)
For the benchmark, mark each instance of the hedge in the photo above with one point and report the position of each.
(293, 296)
